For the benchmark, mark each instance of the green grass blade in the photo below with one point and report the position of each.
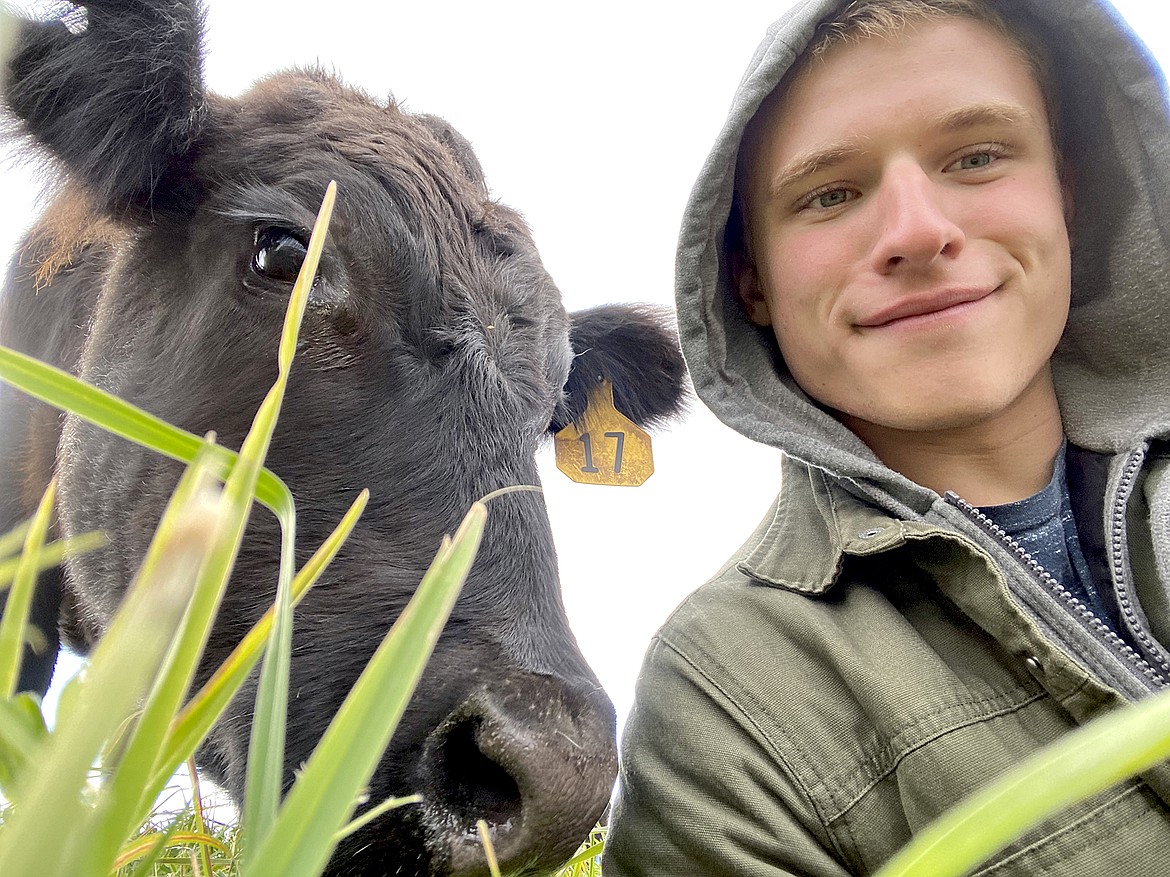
(158, 717)
(62, 390)
(489, 850)
(128, 795)
(1080, 764)
(152, 846)
(52, 555)
(22, 736)
(15, 618)
(586, 855)
(147, 851)
(373, 813)
(323, 797)
(200, 824)
(200, 713)
(265, 767)
(12, 541)
(244, 481)
(121, 668)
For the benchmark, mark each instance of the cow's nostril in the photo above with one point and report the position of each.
(475, 787)
(531, 755)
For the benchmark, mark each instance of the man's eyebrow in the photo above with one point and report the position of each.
(814, 162)
(959, 119)
(991, 113)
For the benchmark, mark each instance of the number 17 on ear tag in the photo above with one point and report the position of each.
(606, 447)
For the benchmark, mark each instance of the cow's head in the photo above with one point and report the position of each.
(435, 356)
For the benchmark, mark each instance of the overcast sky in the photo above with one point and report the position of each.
(592, 119)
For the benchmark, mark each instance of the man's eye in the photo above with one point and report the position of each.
(979, 157)
(975, 160)
(832, 199)
(828, 199)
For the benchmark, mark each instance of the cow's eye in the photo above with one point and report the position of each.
(278, 253)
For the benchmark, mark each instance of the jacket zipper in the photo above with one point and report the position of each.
(1076, 607)
(1117, 550)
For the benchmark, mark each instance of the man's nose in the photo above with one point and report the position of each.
(916, 228)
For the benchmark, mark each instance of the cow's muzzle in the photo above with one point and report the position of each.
(534, 758)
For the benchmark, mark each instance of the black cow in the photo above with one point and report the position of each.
(435, 356)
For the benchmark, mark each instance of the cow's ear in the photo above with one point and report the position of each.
(635, 348)
(115, 91)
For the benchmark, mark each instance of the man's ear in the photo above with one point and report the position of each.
(747, 289)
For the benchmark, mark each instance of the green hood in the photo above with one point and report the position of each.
(1112, 367)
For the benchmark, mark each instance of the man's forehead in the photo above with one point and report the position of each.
(823, 114)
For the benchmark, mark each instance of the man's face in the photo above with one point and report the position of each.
(907, 232)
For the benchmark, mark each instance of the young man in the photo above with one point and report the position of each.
(928, 259)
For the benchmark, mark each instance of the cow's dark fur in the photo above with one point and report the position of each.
(435, 355)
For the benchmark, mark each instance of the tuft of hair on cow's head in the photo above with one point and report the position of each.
(435, 357)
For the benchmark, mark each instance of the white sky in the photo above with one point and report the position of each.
(593, 120)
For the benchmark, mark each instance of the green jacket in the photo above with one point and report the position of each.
(875, 652)
(847, 678)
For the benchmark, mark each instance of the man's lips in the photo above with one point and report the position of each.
(927, 303)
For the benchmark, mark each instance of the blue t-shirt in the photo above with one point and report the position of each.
(1043, 525)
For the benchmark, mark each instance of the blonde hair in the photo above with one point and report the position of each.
(864, 19)
(861, 19)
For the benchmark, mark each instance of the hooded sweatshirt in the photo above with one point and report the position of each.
(876, 652)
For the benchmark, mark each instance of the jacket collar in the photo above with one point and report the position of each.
(814, 523)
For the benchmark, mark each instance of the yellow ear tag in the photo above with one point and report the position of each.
(606, 447)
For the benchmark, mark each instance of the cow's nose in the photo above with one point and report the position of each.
(529, 754)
